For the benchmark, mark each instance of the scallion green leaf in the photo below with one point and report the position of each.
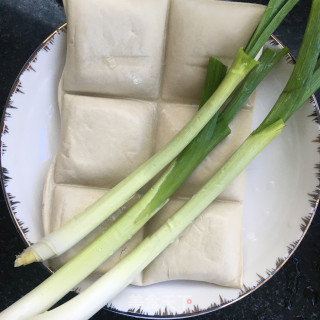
(275, 12)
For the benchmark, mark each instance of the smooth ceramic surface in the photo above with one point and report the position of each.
(281, 191)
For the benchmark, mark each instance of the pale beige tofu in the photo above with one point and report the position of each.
(67, 202)
(115, 47)
(172, 117)
(103, 140)
(199, 29)
(213, 241)
(133, 77)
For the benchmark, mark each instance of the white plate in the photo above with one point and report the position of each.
(281, 193)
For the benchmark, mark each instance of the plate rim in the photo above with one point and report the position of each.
(139, 312)
(14, 89)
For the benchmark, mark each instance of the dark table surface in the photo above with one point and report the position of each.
(293, 293)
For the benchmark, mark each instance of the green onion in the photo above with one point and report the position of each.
(72, 232)
(109, 285)
(129, 223)
(272, 9)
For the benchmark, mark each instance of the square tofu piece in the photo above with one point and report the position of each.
(103, 140)
(213, 240)
(115, 47)
(67, 202)
(199, 29)
(172, 117)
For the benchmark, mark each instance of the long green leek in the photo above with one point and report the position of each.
(108, 286)
(68, 235)
(58, 284)
(272, 9)
(276, 11)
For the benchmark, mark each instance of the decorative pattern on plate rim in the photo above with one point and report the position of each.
(17, 88)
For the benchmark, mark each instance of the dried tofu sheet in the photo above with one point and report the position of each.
(133, 77)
